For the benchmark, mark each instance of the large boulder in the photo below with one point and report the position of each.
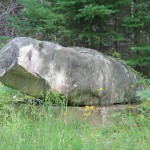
(36, 67)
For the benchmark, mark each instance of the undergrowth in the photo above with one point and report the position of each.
(28, 126)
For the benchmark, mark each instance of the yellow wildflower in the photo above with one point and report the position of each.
(145, 104)
(92, 108)
(100, 89)
(86, 108)
(132, 86)
(87, 114)
(65, 113)
(130, 107)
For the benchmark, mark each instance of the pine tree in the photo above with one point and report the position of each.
(90, 23)
(138, 27)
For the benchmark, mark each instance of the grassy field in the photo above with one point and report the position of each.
(25, 126)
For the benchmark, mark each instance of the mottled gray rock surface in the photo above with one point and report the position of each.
(36, 67)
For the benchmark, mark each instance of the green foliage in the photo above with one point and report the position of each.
(28, 126)
(4, 40)
(141, 56)
(116, 55)
(55, 98)
(144, 97)
(6, 94)
(89, 23)
(31, 127)
(138, 26)
(88, 13)
(35, 19)
(144, 94)
(72, 22)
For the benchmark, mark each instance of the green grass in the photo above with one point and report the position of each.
(31, 127)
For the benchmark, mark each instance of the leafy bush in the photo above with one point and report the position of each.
(144, 94)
